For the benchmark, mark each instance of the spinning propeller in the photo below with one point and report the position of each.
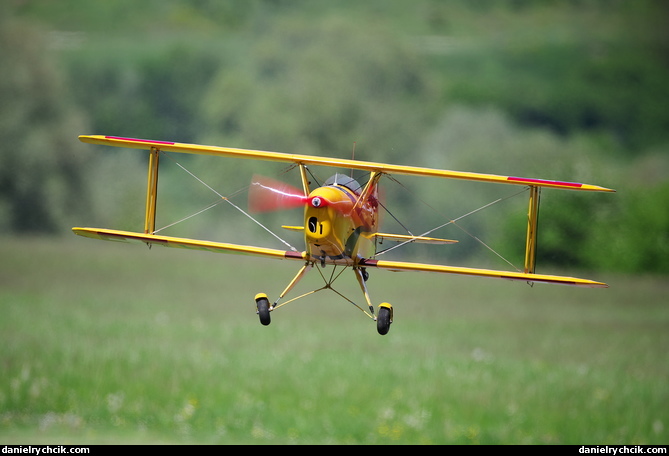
(267, 194)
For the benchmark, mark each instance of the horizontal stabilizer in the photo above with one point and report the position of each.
(408, 238)
(292, 228)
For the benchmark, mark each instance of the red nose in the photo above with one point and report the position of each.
(318, 201)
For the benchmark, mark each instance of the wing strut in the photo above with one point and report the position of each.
(152, 191)
(305, 179)
(532, 226)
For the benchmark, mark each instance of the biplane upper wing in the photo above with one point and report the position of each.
(169, 241)
(167, 146)
(542, 278)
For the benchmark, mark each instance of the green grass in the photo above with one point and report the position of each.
(110, 343)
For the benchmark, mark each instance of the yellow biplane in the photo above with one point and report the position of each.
(340, 224)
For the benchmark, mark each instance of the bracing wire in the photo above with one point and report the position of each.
(227, 200)
(454, 222)
(189, 216)
(381, 252)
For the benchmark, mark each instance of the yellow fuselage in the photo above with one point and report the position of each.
(338, 227)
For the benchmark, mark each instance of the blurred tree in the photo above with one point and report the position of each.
(318, 87)
(559, 90)
(567, 66)
(41, 177)
(635, 235)
(152, 94)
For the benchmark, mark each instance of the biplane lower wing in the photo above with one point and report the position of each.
(219, 247)
(542, 278)
(168, 241)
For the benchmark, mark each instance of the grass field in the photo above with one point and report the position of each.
(111, 343)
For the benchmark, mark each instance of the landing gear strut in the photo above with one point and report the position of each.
(385, 313)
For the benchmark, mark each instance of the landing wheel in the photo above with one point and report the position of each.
(384, 319)
(262, 303)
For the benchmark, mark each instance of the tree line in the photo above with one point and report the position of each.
(566, 91)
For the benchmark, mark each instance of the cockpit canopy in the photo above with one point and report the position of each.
(345, 181)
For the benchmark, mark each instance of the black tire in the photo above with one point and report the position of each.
(263, 311)
(383, 321)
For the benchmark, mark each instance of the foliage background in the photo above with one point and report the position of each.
(564, 90)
